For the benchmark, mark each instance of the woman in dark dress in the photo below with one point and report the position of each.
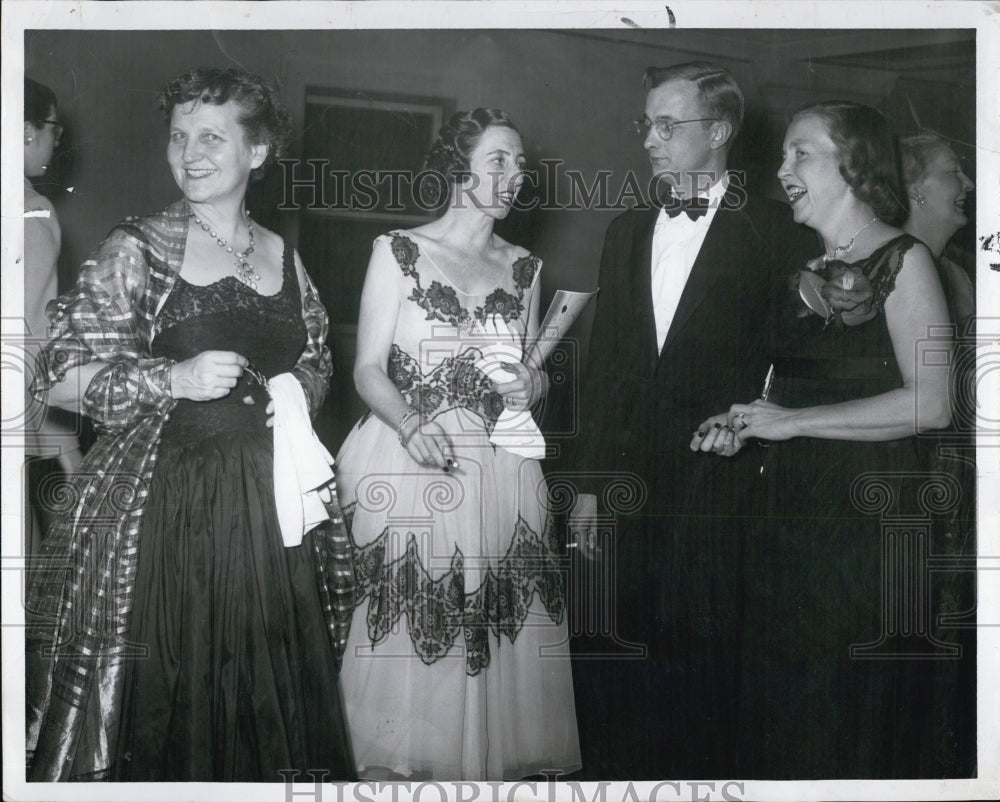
(216, 645)
(937, 189)
(835, 673)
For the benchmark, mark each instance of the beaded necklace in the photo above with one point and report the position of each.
(245, 272)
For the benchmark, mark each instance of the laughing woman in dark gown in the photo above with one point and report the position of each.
(192, 644)
(831, 685)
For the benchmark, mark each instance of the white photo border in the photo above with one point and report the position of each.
(22, 15)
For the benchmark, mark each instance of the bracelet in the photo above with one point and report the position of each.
(402, 423)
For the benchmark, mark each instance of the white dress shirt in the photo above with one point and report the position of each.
(676, 242)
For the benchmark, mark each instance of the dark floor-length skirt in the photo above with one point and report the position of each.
(240, 680)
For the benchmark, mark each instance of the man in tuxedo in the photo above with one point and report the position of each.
(680, 333)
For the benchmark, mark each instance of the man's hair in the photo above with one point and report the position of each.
(721, 96)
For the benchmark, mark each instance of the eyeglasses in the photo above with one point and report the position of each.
(664, 128)
(56, 125)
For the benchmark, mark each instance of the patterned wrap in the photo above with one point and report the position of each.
(81, 591)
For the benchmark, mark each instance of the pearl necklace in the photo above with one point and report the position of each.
(245, 272)
(840, 250)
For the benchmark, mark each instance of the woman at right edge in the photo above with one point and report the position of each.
(937, 190)
(828, 691)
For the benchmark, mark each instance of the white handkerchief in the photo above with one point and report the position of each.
(301, 462)
(515, 431)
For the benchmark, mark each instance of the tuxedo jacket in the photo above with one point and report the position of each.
(639, 408)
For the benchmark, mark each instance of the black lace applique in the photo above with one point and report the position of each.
(226, 295)
(406, 252)
(502, 303)
(441, 302)
(455, 382)
(440, 613)
(524, 270)
(884, 269)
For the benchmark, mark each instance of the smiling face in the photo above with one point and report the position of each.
(43, 141)
(496, 168)
(693, 147)
(810, 173)
(208, 153)
(944, 186)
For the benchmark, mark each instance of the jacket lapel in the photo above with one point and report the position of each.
(642, 257)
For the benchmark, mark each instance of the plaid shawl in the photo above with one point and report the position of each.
(81, 590)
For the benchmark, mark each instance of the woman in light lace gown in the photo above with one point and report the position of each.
(457, 662)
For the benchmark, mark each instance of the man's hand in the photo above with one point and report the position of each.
(583, 527)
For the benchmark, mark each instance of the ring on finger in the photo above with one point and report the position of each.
(741, 419)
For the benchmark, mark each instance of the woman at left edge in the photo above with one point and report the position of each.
(185, 641)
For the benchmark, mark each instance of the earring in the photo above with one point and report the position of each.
(919, 199)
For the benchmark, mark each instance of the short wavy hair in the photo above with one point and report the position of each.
(917, 152)
(866, 150)
(450, 152)
(264, 118)
(39, 101)
(721, 96)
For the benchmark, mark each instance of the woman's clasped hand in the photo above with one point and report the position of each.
(527, 387)
(207, 376)
(728, 433)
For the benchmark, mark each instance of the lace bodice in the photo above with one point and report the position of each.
(229, 316)
(441, 331)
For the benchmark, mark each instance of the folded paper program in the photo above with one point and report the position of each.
(515, 431)
(302, 472)
(565, 307)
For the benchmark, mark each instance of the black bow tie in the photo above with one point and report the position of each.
(692, 207)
